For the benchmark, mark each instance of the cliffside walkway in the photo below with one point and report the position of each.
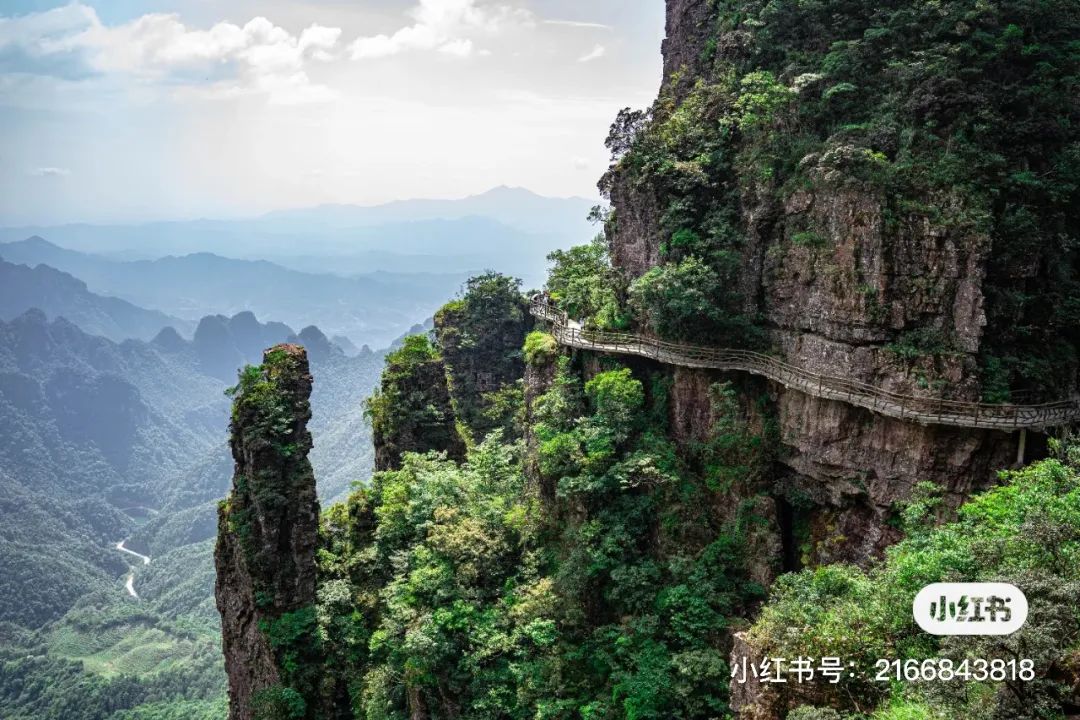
(928, 411)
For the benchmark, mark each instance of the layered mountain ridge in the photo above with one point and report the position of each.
(194, 286)
(59, 294)
(107, 441)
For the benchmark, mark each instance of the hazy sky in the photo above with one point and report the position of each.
(122, 110)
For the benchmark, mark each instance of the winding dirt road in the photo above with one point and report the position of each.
(130, 584)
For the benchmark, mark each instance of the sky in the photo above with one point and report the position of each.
(135, 110)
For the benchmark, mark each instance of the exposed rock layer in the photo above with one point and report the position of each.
(267, 529)
(834, 307)
(861, 252)
(423, 419)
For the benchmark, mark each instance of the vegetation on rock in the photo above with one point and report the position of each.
(479, 336)
(855, 180)
(265, 554)
(454, 586)
(956, 116)
(583, 284)
(411, 410)
(1026, 532)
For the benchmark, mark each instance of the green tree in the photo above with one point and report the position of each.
(411, 411)
(690, 301)
(480, 337)
(581, 283)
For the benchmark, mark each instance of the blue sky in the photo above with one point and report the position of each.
(127, 111)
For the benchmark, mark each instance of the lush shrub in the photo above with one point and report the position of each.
(1026, 532)
(411, 410)
(540, 348)
(618, 399)
(427, 593)
(680, 301)
(920, 342)
(582, 284)
(480, 337)
(761, 98)
(278, 703)
(811, 713)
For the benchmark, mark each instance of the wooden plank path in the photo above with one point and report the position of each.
(928, 411)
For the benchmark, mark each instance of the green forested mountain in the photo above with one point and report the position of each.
(104, 442)
(566, 525)
(91, 427)
(61, 295)
(97, 435)
(576, 511)
(580, 562)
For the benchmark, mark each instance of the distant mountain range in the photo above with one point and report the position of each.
(94, 429)
(116, 344)
(58, 294)
(506, 229)
(371, 309)
(516, 208)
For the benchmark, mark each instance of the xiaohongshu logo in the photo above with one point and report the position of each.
(970, 609)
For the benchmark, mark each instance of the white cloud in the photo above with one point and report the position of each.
(595, 54)
(51, 172)
(320, 41)
(37, 44)
(461, 47)
(446, 26)
(258, 57)
(578, 24)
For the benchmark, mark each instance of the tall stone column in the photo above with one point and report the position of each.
(267, 534)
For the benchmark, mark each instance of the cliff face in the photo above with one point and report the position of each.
(818, 182)
(480, 338)
(412, 411)
(688, 28)
(267, 532)
(436, 395)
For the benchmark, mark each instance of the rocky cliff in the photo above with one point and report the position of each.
(412, 410)
(442, 392)
(805, 171)
(267, 534)
(480, 338)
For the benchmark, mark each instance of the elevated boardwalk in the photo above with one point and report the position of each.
(928, 411)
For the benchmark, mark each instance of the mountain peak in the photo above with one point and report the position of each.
(509, 190)
(316, 342)
(33, 316)
(265, 554)
(517, 193)
(168, 339)
(37, 242)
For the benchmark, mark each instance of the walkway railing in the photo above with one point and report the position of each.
(928, 411)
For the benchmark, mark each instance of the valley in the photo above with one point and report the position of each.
(107, 440)
(113, 458)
